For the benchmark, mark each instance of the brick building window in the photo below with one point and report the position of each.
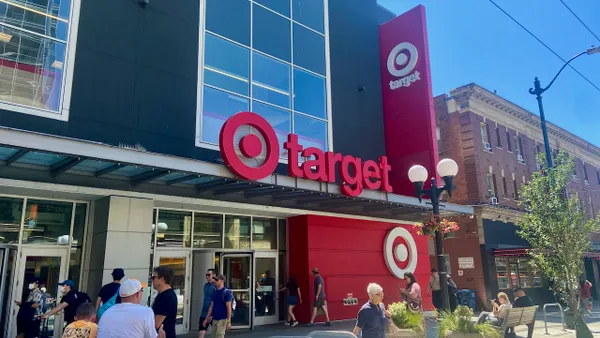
(439, 139)
(498, 138)
(585, 174)
(508, 143)
(504, 188)
(485, 136)
(598, 175)
(491, 186)
(518, 148)
(516, 188)
(515, 272)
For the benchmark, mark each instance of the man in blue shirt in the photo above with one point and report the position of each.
(220, 309)
(209, 289)
(372, 321)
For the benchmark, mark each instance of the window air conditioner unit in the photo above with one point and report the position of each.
(494, 200)
(487, 146)
(586, 182)
(520, 159)
(575, 178)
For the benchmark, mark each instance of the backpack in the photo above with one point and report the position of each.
(233, 304)
(112, 301)
(80, 298)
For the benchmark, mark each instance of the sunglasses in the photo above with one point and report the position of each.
(155, 277)
(209, 275)
(216, 279)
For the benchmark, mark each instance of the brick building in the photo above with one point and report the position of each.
(495, 143)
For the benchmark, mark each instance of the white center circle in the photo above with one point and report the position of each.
(405, 54)
(401, 252)
(401, 59)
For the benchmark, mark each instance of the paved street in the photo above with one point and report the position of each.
(554, 328)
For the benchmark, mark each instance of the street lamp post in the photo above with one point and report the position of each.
(537, 90)
(418, 174)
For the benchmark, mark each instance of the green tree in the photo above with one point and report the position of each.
(558, 230)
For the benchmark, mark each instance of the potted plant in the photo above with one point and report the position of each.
(459, 325)
(436, 223)
(406, 323)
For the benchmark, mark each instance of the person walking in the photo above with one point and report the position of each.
(585, 294)
(412, 293)
(500, 308)
(220, 309)
(435, 290)
(84, 326)
(372, 317)
(319, 302)
(129, 319)
(294, 298)
(109, 293)
(28, 321)
(209, 290)
(165, 303)
(452, 289)
(70, 301)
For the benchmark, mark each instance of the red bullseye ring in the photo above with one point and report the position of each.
(250, 146)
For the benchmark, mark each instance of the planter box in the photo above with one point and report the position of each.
(405, 334)
(450, 334)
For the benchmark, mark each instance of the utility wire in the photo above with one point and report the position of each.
(545, 45)
(581, 21)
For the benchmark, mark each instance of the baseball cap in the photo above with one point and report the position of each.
(68, 282)
(118, 273)
(219, 277)
(129, 288)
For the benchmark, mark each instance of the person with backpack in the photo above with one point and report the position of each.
(220, 309)
(70, 302)
(109, 293)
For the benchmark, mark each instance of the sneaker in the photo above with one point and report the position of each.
(287, 323)
(328, 324)
(310, 325)
(294, 323)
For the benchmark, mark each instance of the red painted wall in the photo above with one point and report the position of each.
(409, 107)
(349, 254)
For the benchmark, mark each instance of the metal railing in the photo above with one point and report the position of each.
(562, 316)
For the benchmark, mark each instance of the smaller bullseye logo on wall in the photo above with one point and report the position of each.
(401, 62)
(250, 146)
(400, 252)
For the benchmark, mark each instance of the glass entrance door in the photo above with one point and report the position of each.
(237, 270)
(7, 272)
(266, 286)
(48, 266)
(179, 261)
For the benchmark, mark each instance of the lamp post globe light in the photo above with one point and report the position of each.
(537, 90)
(417, 174)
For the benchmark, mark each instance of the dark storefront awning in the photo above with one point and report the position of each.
(511, 252)
(45, 158)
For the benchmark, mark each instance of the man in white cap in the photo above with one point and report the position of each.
(129, 319)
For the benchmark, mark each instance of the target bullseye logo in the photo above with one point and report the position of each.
(250, 146)
(400, 252)
(401, 61)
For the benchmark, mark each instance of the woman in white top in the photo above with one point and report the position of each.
(500, 311)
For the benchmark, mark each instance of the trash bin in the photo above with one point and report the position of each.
(466, 297)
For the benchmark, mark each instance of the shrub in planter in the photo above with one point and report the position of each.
(406, 323)
(458, 325)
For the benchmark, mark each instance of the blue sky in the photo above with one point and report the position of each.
(472, 41)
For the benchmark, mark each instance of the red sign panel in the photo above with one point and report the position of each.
(408, 113)
(318, 166)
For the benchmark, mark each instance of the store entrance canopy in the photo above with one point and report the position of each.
(45, 158)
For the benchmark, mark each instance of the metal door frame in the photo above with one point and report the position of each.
(251, 288)
(266, 320)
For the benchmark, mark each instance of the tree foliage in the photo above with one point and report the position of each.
(556, 226)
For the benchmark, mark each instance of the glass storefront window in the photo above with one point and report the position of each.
(237, 232)
(33, 50)
(11, 211)
(47, 222)
(250, 43)
(174, 228)
(513, 272)
(266, 287)
(524, 275)
(502, 273)
(208, 230)
(178, 265)
(264, 233)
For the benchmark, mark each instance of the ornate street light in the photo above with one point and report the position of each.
(447, 169)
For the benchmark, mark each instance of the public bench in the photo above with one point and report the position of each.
(519, 316)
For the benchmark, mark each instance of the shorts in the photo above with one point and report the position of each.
(292, 300)
(202, 327)
(319, 303)
(219, 328)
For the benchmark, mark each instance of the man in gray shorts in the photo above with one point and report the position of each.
(319, 301)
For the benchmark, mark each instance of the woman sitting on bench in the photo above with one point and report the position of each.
(500, 311)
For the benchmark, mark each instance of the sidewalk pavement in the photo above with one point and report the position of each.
(279, 330)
